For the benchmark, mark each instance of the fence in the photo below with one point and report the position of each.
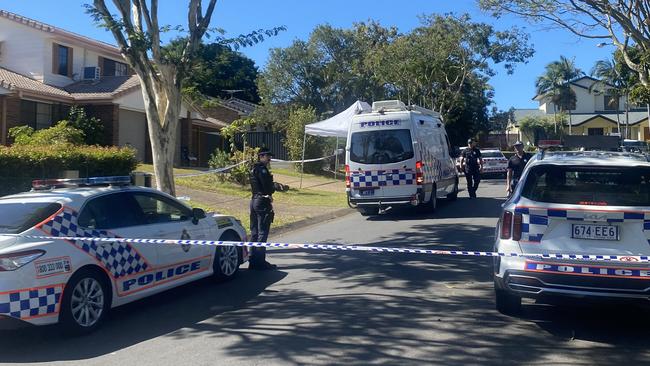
(274, 141)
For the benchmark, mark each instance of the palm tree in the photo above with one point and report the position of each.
(611, 75)
(555, 85)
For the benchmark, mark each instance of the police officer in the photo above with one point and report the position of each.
(471, 163)
(262, 213)
(516, 165)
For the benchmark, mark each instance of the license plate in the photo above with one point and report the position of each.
(594, 232)
(366, 192)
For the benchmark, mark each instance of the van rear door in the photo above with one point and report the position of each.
(382, 162)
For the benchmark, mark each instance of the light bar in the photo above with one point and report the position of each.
(93, 181)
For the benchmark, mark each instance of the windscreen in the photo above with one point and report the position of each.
(18, 217)
(381, 146)
(583, 185)
(491, 154)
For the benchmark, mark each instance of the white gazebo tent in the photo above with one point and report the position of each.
(336, 126)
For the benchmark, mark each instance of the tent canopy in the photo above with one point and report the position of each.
(338, 125)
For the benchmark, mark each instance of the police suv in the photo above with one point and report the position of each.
(76, 282)
(398, 155)
(579, 203)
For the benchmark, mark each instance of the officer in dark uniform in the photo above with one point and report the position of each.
(261, 208)
(471, 163)
(516, 165)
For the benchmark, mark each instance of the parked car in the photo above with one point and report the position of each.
(77, 282)
(494, 162)
(580, 203)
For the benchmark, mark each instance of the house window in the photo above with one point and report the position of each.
(41, 115)
(62, 60)
(595, 131)
(114, 68)
(610, 103)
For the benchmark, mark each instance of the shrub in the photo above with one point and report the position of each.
(60, 134)
(92, 128)
(240, 173)
(20, 164)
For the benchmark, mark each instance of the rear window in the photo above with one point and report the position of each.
(381, 146)
(18, 217)
(491, 154)
(613, 186)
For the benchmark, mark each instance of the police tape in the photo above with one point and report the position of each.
(358, 248)
(305, 160)
(211, 171)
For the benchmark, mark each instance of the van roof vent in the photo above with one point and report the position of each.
(388, 105)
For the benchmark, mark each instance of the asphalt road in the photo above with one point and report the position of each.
(355, 308)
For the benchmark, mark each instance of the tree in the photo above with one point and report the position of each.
(555, 85)
(623, 22)
(614, 80)
(161, 70)
(92, 128)
(536, 128)
(218, 69)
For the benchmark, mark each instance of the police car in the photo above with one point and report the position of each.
(494, 162)
(581, 203)
(76, 282)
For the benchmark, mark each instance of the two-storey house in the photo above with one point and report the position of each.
(597, 112)
(44, 70)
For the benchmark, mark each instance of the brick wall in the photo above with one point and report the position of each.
(109, 114)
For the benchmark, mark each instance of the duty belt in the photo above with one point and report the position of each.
(261, 195)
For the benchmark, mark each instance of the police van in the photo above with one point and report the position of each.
(398, 155)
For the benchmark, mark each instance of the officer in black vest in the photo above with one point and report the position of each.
(261, 208)
(471, 163)
(516, 165)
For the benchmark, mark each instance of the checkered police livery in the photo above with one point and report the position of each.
(382, 178)
(535, 220)
(120, 259)
(30, 303)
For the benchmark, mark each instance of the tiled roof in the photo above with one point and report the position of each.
(106, 87)
(14, 81)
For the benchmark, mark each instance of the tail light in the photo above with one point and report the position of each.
(347, 176)
(506, 225)
(419, 176)
(516, 227)
(511, 226)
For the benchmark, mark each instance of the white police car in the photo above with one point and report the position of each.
(581, 203)
(77, 282)
(494, 162)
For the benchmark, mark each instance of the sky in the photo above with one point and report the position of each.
(301, 16)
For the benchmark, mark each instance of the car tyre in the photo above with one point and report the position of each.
(453, 195)
(507, 303)
(227, 258)
(86, 302)
(369, 211)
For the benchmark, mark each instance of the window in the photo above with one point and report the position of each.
(613, 186)
(18, 217)
(381, 147)
(111, 211)
(610, 103)
(42, 115)
(158, 209)
(595, 131)
(62, 60)
(114, 68)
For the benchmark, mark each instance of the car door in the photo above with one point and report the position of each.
(167, 218)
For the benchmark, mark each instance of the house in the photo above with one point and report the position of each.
(44, 70)
(596, 113)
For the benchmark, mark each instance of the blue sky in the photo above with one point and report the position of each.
(301, 16)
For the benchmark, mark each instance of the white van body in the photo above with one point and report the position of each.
(398, 155)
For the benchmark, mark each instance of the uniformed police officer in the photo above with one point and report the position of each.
(471, 163)
(516, 165)
(261, 208)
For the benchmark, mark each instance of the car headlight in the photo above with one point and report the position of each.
(13, 261)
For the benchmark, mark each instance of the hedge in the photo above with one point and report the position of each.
(19, 165)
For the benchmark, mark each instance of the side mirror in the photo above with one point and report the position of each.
(197, 214)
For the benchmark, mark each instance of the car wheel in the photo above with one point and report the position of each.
(507, 304)
(86, 302)
(453, 195)
(368, 211)
(227, 258)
